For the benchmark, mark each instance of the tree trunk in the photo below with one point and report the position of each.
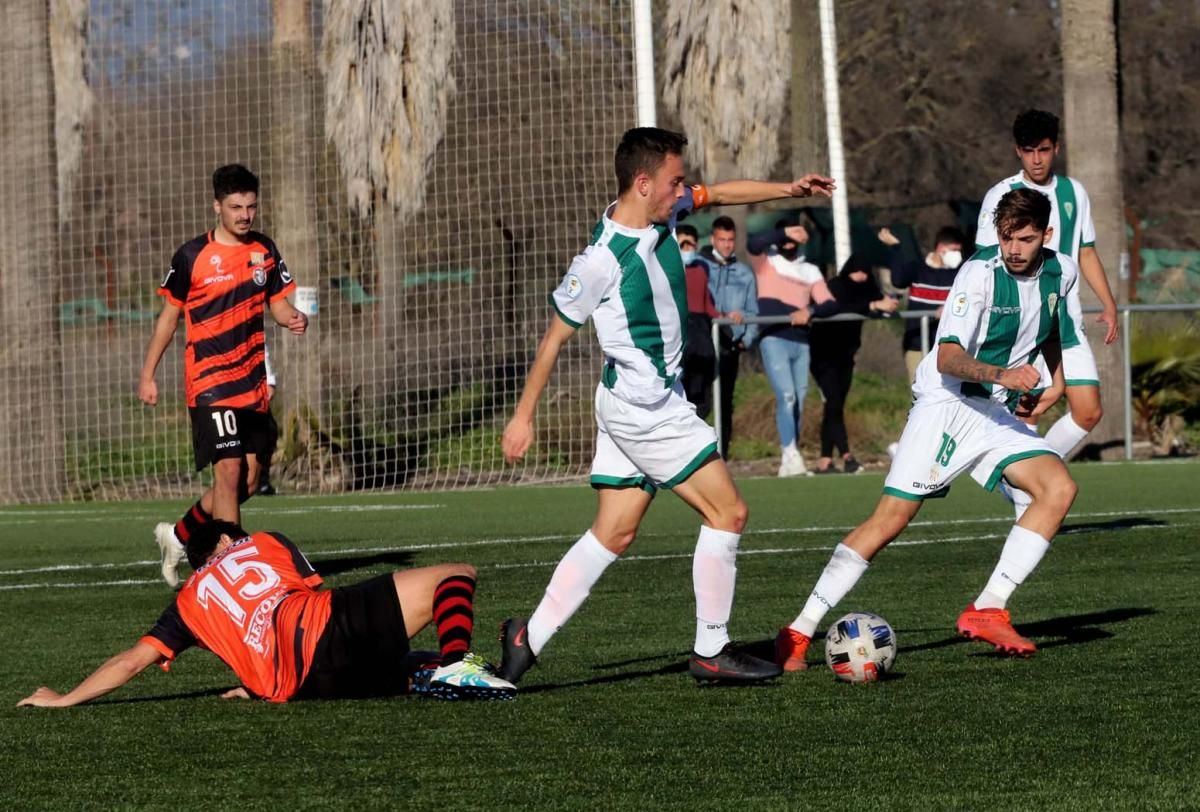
(809, 152)
(292, 202)
(31, 442)
(1092, 125)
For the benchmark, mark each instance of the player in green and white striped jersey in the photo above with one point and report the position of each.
(1072, 234)
(1006, 307)
(630, 282)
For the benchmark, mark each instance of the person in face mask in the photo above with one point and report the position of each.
(699, 356)
(788, 286)
(833, 345)
(928, 282)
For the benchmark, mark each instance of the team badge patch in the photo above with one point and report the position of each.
(959, 306)
(1052, 301)
(1069, 208)
(572, 286)
(257, 257)
(260, 277)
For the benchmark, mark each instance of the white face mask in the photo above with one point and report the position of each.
(689, 256)
(951, 259)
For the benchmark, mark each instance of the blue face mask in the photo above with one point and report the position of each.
(689, 256)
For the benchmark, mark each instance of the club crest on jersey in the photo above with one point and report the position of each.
(1069, 208)
(1052, 301)
(572, 286)
(959, 306)
(260, 277)
(257, 257)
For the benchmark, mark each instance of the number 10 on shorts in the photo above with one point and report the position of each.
(227, 423)
(944, 453)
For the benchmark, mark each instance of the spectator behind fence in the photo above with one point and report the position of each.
(699, 357)
(834, 345)
(928, 282)
(735, 296)
(788, 286)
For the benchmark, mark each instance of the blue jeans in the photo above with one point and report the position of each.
(786, 363)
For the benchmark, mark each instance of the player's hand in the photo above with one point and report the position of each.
(887, 237)
(518, 436)
(736, 317)
(886, 305)
(298, 323)
(798, 234)
(1022, 379)
(236, 693)
(812, 184)
(148, 392)
(801, 317)
(42, 698)
(1109, 318)
(1033, 406)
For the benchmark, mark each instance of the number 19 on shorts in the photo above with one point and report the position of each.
(226, 423)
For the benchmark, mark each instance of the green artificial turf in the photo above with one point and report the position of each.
(1104, 716)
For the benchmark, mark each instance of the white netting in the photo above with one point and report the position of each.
(432, 291)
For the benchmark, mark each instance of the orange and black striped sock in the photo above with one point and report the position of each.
(193, 520)
(454, 616)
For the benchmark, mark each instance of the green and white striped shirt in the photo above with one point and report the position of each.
(1000, 319)
(1070, 213)
(631, 283)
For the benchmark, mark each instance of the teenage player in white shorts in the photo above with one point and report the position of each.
(630, 282)
(1035, 134)
(1007, 306)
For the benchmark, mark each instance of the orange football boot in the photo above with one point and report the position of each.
(790, 649)
(993, 626)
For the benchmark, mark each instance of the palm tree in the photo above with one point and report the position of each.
(31, 458)
(1092, 123)
(292, 200)
(388, 86)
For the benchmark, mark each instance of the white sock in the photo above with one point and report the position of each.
(1064, 435)
(842, 572)
(714, 572)
(569, 587)
(1021, 554)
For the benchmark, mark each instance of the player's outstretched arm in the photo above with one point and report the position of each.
(953, 360)
(1092, 270)
(286, 315)
(164, 330)
(119, 670)
(518, 434)
(737, 192)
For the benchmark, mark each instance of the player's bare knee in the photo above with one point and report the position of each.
(462, 570)
(739, 515)
(227, 475)
(1088, 418)
(616, 541)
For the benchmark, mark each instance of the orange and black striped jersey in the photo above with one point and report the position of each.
(223, 290)
(256, 606)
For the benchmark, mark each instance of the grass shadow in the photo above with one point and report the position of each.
(1124, 523)
(163, 698)
(1069, 630)
(336, 566)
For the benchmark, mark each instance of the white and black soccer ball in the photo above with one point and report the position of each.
(860, 647)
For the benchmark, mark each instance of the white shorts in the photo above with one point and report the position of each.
(1079, 365)
(649, 447)
(943, 439)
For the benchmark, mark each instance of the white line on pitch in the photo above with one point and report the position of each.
(63, 516)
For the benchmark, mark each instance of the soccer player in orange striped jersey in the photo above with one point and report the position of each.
(222, 282)
(255, 602)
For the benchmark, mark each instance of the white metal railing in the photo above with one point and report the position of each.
(925, 316)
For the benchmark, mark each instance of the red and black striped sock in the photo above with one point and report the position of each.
(193, 520)
(454, 616)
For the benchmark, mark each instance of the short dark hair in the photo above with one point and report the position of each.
(202, 543)
(685, 230)
(725, 223)
(1020, 208)
(233, 179)
(643, 149)
(950, 234)
(1030, 127)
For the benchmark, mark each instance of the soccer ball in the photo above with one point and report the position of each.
(861, 647)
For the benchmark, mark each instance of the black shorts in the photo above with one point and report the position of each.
(362, 651)
(219, 434)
